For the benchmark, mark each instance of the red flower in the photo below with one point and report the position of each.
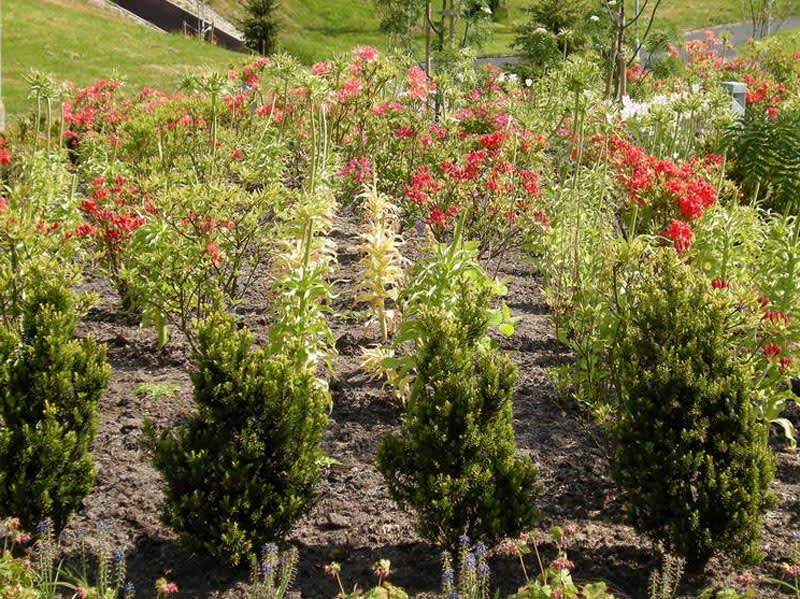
(3, 205)
(775, 317)
(681, 235)
(366, 53)
(771, 350)
(237, 155)
(5, 157)
(785, 363)
(437, 218)
(213, 251)
(720, 284)
(85, 230)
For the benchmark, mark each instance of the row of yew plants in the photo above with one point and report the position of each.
(670, 275)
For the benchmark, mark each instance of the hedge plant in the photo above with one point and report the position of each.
(452, 461)
(50, 385)
(690, 451)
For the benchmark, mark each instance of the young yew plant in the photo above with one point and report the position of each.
(244, 467)
(50, 384)
(453, 459)
(690, 450)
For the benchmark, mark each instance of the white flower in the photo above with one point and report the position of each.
(513, 77)
(486, 9)
(594, 18)
(540, 30)
(612, 2)
(460, 77)
(528, 82)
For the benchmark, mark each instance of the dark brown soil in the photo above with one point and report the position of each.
(355, 521)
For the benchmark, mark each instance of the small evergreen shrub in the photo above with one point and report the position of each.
(453, 459)
(690, 453)
(50, 384)
(244, 467)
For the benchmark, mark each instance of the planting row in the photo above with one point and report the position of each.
(665, 231)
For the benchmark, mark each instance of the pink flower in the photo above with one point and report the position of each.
(366, 53)
(420, 85)
(320, 69)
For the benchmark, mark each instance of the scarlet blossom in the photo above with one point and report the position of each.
(771, 350)
(85, 230)
(213, 251)
(720, 284)
(681, 235)
(98, 181)
(89, 206)
(5, 157)
(785, 363)
(763, 301)
(437, 218)
(772, 113)
(237, 155)
(387, 108)
(359, 168)
(3, 204)
(774, 317)
(404, 133)
(540, 217)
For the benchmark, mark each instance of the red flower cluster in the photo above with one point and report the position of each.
(91, 107)
(359, 168)
(681, 235)
(663, 185)
(113, 212)
(5, 155)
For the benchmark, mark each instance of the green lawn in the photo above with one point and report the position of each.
(74, 41)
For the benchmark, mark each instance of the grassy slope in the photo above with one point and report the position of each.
(74, 41)
(314, 29)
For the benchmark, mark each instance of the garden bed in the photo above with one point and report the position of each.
(355, 521)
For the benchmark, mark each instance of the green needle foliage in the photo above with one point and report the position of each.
(691, 453)
(453, 459)
(245, 466)
(50, 384)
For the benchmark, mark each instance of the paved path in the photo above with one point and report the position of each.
(741, 32)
